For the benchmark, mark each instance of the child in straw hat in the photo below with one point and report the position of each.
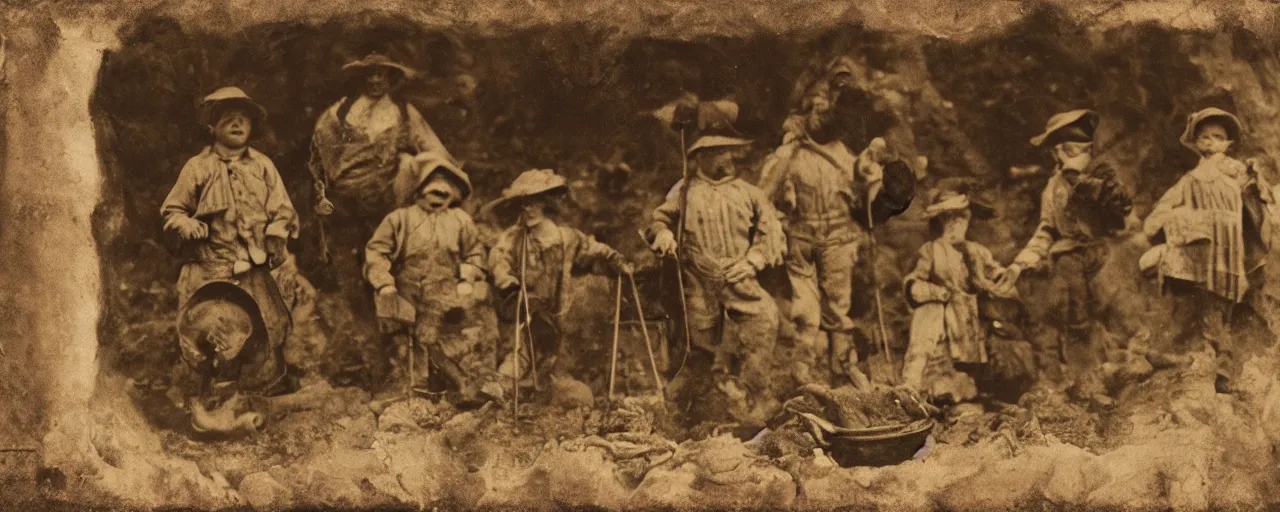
(537, 255)
(943, 291)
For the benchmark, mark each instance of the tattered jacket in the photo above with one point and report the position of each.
(242, 200)
(553, 253)
(419, 252)
(726, 221)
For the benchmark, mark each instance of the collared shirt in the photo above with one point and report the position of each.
(241, 198)
(552, 254)
(727, 221)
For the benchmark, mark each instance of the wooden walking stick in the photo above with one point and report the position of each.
(617, 321)
(875, 284)
(528, 316)
(684, 201)
(648, 345)
(515, 368)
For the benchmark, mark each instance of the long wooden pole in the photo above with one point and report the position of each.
(684, 200)
(648, 345)
(528, 316)
(875, 284)
(617, 321)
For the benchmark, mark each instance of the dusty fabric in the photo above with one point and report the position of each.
(818, 189)
(242, 200)
(943, 269)
(361, 157)
(425, 249)
(1202, 218)
(821, 275)
(727, 221)
(1074, 295)
(929, 368)
(554, 253)
(1058, 232)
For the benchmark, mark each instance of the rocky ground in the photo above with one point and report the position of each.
(1162, 438)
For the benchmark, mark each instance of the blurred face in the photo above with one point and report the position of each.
(957, 226)
(1072, 158)
(818, 117)
(533, 211)
(233, 128)
(379, 82)
(436, 193)
(1212, 138)
(717, 163)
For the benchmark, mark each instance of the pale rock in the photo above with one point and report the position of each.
(263, 492)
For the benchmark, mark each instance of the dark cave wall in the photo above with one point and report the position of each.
(574, 98)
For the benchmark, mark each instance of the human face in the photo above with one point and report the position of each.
(818, 114)
(717, 163)
(436, 193)
(1073, 157)
(379, 82)
(233, 128)
(1212, 138)
(956, 227)
(533, 211)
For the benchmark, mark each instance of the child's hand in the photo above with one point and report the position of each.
(469, 272)
(324, 208)
(665, 243)
(739, 271)
(625, 268)
(189, 228)
(506, 281)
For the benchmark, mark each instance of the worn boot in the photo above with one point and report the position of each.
(844, 361)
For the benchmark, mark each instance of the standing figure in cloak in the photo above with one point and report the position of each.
(824, 190)
(428, 253)
(362, 153)
(731, 233)
(943, 289)
(1215, 231)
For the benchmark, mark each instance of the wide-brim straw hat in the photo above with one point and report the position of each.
(374, 60)
(218, 302)
(715, 127)
(227, 97)
(1086, 120)
(425, 165)
(1233, 125)
(528, 184)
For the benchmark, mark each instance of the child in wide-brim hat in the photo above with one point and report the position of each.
(536, 256)
(943, 289)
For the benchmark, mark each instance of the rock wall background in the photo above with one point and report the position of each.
(545, 85)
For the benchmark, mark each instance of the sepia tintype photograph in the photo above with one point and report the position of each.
(674, 254)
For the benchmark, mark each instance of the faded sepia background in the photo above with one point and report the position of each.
(99, 108)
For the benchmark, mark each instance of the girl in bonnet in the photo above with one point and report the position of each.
(943, 291)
